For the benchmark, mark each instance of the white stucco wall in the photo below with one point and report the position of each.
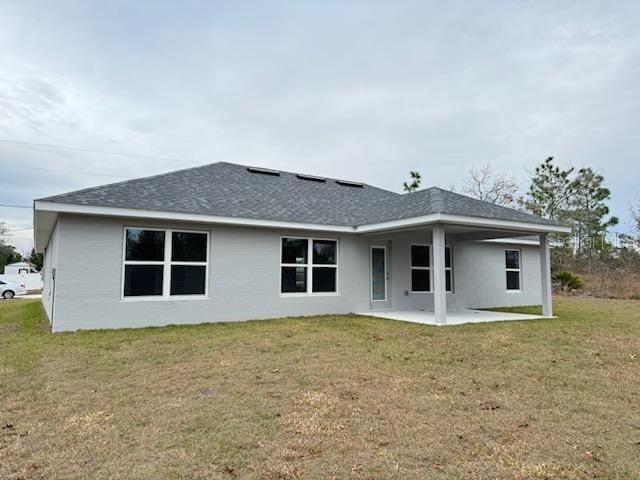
(244, 275)
(49, 263)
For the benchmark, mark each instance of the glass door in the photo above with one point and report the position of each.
(379, 277)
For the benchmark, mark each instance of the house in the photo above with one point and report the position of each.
(226, 242)
(24, 274)
(19, 268)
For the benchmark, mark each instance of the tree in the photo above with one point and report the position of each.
(588, 211)
(550, 192)
(485, 184)
(8, 253)
(635, 212)
(414, 183)
(37, 259)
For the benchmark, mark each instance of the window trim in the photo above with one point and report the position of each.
(309, 266)
(519, 270)
(167, 263)
(430, 268)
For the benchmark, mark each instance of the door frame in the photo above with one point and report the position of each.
(386, 272)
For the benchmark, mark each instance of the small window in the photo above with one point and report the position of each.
(188, 279)
(308, 266)
(145, 245)
(513, 271)
(420, 268)
(143, 280)
(164, 263)
(448, 268)
(189, 247)
(295, 250)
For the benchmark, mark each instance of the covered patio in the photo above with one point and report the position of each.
(454, 317)
(467, 267)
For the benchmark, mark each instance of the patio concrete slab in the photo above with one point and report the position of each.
(454, 317)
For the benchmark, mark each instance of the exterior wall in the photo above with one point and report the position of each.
(50, 262)
(244, 276)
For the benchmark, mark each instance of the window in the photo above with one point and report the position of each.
(308, 266)
(165, 263)
(421, 268)
(512, 265)
(448, 268)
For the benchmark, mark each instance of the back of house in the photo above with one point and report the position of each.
(227, 242)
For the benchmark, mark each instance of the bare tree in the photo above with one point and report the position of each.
(4, 232)
(490, 186)
(635, 214)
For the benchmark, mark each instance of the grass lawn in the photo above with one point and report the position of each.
(325, 397)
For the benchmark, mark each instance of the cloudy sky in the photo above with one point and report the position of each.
(359, 90)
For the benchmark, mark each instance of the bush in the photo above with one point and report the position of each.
(567, 280)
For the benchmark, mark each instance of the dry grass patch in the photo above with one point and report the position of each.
(324, 397)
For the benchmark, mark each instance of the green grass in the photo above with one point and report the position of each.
(324, 397)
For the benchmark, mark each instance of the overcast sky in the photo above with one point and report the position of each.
(360, 90)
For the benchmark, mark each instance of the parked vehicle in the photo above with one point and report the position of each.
(9, 290)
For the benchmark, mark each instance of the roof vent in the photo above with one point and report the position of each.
(350, 184)
(311, 178)
(264, 171)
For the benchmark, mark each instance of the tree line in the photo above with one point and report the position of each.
(575, 197)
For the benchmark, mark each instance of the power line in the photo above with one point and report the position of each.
(5, 205)
(88, 150)
(73, 172)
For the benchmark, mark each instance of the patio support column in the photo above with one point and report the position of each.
(545, 276)
(439, 281)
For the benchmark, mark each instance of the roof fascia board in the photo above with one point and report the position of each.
(462, 220)
(513, 241)
(423, 220)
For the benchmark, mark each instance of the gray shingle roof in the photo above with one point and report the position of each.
(231, 190)
(438, 200)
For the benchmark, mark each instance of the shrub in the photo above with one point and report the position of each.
(567, 280)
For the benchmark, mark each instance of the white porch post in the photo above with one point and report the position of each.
(439, 281)
(545, 276)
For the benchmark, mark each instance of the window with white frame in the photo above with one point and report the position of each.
(448, 268)
(164, 263)
(308, 266)
(513, 271)
(421, 268)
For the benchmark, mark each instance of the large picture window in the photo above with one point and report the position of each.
(513, 271)
(164, 263)
(421, 273)
(308, 266)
